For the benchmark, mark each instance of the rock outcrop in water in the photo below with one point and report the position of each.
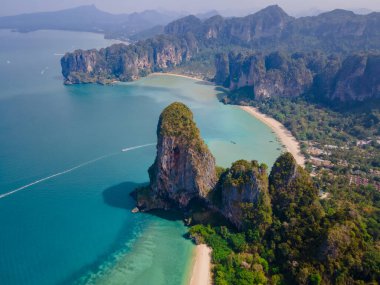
(184, 171)
(184, 168)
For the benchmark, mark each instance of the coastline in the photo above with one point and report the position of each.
(287, 139)
(201, 267)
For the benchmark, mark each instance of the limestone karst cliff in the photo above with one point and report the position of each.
(124, 62)
(184, 168)
(275, 74)
(328, 78)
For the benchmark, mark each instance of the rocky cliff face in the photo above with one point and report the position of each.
(125, 63)
(243, 187)
(184, 168)
(357, 80)
(354, 78)
(275, 74)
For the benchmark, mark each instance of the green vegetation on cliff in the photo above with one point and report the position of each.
(298, 219)
(184, 168)
(177, 120)
(244, 192)
(239, 172)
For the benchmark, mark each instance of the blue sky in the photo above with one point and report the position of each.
(9, 7)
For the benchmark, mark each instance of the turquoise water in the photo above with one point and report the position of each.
(72, 224)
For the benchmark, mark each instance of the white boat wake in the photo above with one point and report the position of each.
(70, 170)
(136, 147)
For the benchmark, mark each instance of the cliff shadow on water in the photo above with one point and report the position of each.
(222, 92)
(117, 196)
(120, 196)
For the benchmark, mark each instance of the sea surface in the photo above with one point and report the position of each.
(65, 209)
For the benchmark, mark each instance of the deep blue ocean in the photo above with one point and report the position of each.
(66, 218)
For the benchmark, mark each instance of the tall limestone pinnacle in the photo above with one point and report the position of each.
(184, 167)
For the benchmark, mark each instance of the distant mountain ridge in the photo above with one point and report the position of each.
(90, 19)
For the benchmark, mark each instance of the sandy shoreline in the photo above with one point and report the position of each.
(201, 271)
(178, 75)
(285, 136)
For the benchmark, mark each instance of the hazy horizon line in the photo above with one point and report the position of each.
(223, 12)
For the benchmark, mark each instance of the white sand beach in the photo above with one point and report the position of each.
(178, 75)
(201, 272)
(285, 136)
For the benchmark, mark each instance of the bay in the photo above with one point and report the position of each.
(72, 224)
